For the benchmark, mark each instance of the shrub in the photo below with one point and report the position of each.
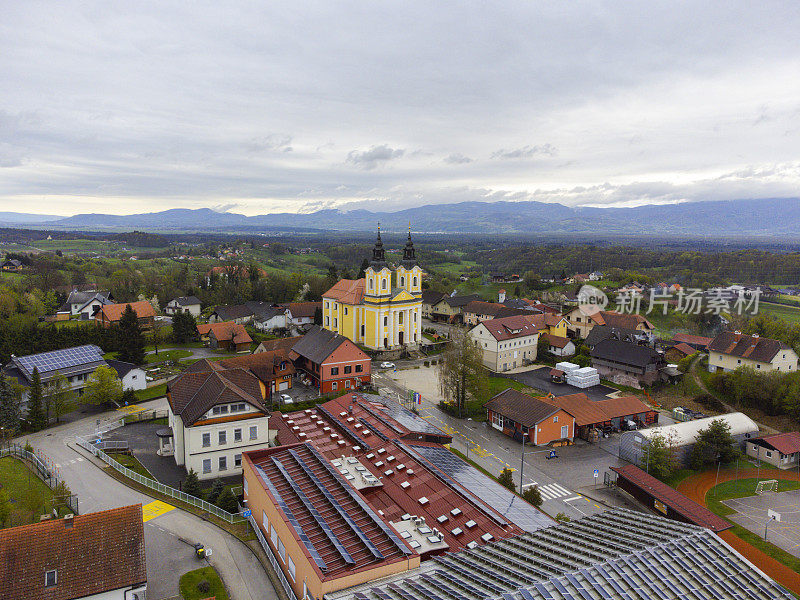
(533, 496)
(203, 586)
(191, 485)
(562, 518)
(427, 363)
(506, 479)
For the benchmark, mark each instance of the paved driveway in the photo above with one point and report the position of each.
(540, 379)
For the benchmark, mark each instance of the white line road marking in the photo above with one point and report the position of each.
(529, 484)
(573, 498)
(553, 491)
(80, 459)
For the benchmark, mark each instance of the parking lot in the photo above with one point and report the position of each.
(540, 379)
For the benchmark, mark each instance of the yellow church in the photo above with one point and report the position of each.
(374, 311)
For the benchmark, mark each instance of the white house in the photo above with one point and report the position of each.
(214, 417)
(94, 556)
(79, 303)
(506, 343)
(183, 304)
(559, 346)
(132, 377)
(731, 350)
(271, 318)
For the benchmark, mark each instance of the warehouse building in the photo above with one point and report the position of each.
(682, 436)
(615, 555)
(596, 415)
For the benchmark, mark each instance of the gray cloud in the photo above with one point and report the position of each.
(272, 142)
(457, 159)
(376, 155)
(525, 152)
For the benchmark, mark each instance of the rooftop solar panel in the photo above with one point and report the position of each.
(61, 359)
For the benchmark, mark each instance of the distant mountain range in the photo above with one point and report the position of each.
(752, 218)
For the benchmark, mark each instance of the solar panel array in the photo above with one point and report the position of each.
(407, 418)
(58, 360)
(483, 489)
(616, 555)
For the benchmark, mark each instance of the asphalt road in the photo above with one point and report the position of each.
(168, 557)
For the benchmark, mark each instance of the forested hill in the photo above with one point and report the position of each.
(718, 219)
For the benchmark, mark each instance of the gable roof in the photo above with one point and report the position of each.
(756, 348)
(479, 307)
(264, 365)
(589, 412)
(113, 312)
(186, 300)
(625, 353)
(695, 340)
(785, 443)
(542, 321)
(622, 321)
(556, 340)
(279, 344)
(458, 301)
(229, 312)
(507, 328)
(303, 309)
(191, 395)
(318, 344)
(525, 410)
(348, 291)
(121, 367)
(101, 551)
(686, 349)
(431, 297)
(607, 332)
(229, 331)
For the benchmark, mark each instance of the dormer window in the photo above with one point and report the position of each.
(50, 578)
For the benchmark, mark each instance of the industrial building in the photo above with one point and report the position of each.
(682, 436)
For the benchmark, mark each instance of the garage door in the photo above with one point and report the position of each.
(283, 385)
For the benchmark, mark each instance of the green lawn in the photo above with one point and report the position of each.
(127, 460)
(189, 582)
(151, 393)
(165, 355)
(29, 496)
(498, 384)
(790, 314)
(742, 488)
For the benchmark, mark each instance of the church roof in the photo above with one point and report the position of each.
(347, 291)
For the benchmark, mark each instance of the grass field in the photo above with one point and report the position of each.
(72, 246)
(790, 314)
(164, 355)
(189, 585)
(151, 393)
(127, 460)
(29, 496)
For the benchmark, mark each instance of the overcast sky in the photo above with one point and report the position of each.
(257, 107)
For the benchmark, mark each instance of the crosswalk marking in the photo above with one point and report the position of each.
(553, 491)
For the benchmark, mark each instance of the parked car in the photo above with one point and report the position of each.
(387, 365)
(286, 399)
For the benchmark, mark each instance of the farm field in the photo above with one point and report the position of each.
(790, 314)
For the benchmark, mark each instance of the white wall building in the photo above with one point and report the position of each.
(507, 343)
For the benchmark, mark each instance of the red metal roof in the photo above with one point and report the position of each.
(689, 509)
(785, 443)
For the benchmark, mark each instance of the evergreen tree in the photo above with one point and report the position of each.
(363, 271)
(130, 337)
(227, 501)
(216, 490)
(533, 495)
(184, 328)
(191, 485)
(36, 417)
(506, 479)
(10, 402)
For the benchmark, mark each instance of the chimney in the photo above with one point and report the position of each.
(69, 521)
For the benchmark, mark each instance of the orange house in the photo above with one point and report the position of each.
(517, 415)
(110, 314)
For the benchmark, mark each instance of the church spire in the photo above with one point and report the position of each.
(409, 254)
(378, 253)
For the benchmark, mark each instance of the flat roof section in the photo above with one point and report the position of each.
(672, 498)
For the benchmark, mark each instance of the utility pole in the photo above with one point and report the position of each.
(522, 463)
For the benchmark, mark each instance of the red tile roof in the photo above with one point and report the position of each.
(192, 395)
(507, 328)
(113, 312)
(687, 508)
(348, 291)
(785, 443)
(303, 309)
(684, 348)
(521, 408)
(590, 412)
(756, 348)
(100, 552)
(226, 331)
(556, 340)
(697, 340)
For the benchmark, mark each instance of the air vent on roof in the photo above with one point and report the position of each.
(405, 485)
(470, 524)
(457, 531)
(455, 512)
(472, 545)
(423, 500)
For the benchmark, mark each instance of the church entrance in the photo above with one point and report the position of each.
(400, 337)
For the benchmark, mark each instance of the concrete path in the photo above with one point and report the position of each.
(168, 537)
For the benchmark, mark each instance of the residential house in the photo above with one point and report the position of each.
(273, 368)
(226, 335)
(519, 415)
(215, 415)
(183, 304)
(301, 314)
(580, 324)
(626, 363)
(85, 302)
(732, 349)
(478, 311)
(429, 300)
(271, 317)
(331, 361)
(12, 265)
(110, 314)
(678, 352)
(549, 323)
(94, 556)
(780, 449)
(698, 342)
(236, 313)
(606, 332)
(277, 344)
(559, 346)
(93, 305)
(76, 364)
(506, 343)
(450, 308)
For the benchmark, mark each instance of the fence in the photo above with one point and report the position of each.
(45, 469)
(92, 446)
(112, 445)
(268, 551)
(145, 415)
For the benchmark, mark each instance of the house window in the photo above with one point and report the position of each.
(400, 318)
(274, 537)
(497, 419)
(291, 568)
(206, 440)
(415, 282)
(254, 432)
(264, 521)
(385, 321)
(334, 370)
(207, 465)
(402, 281)
(415, 317)
(281, 550)
(326, 304)
(555, 419)
(383, 284)
(768, 454)
(334, 386)
(50, 578)
(327, 320)
(370, 284)
(348, 369)
(335, 322)
(223, 463)
(347, 383)
(237, 460)
(345, 310)
(237, 435)
(223, 437)
(359, 368)
(362, 331)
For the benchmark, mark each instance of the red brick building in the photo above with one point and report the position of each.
(331, 361)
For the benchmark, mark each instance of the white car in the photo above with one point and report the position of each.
(387, 365)
(286, 399)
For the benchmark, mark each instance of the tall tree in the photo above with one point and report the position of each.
(60, 398)
(10, 403)
(362, 272)
(191, 485)
(36, 416)
(659, 459)
(103, 386)
(714, 443)
(184, 328)
(462, 376)
(130, 337)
